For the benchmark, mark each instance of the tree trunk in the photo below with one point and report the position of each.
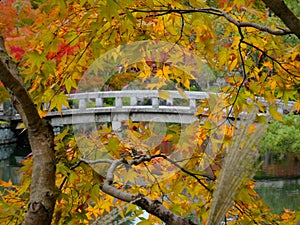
(285, 14)
(41, 138)
(42, 190)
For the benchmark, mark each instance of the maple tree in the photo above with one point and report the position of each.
(53, 44)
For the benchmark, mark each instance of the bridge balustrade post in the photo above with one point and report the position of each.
(193, 104)
(118, 102)
(169, 101)
(82, 104)
(46, 105)
(99, 102)
(155, 102)
(133, 101)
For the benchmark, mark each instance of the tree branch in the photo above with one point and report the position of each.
(239, 24)
(153, 207)
(285, 14)
(219, 12)
(270, 57)
(187, 172)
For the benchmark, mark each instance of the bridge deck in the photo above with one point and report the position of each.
(139, 105)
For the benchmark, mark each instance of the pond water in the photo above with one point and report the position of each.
(11, 157)
(9, 170)
(279, 194)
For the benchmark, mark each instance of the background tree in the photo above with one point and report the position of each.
(54, 43)
(282, 137)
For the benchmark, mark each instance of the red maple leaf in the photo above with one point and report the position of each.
(17, 52)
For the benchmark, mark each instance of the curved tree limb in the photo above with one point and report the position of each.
(153, 207)
(41, 138)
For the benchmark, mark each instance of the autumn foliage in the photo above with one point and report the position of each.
(242, 43)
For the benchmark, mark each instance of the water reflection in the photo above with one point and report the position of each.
(12, 153)
(279, 194)
(9, 171)
(6, 150)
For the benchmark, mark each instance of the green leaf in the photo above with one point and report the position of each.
(144, 221)
(49, 68)
(130, 16)
(70, 83)
(274, 113)
(36, 58)
(58, 101)
(62, 135)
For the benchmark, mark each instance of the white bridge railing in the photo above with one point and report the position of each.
(134, 98)
(154, 98)
(145, 104)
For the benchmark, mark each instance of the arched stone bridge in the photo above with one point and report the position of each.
(139, 105)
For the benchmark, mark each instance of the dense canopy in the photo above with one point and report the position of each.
(245, 53)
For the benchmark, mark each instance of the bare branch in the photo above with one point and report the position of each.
(187, 172)
(219, 12)
(96, 161)
(242, 69)
(270, 57)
